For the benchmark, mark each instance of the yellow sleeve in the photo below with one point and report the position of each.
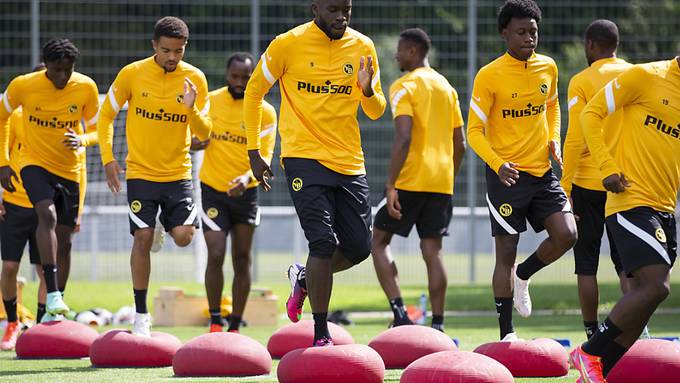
(574, 142)
(268, 132)
(199, 119)
(117, 96)
(480, 107)
(618, 93)
(270, 68)
(400, 100)
(10, 101)
(457, 114)
(90, 115)
(374, 106)
(553, 113)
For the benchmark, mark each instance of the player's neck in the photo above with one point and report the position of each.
(517, 57)
(421, 64)
(604, 56)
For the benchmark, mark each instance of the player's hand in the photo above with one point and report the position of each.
(508, 174)
(261, 170)
(72, 140)
(556, 152)
(393, 205)
(571, 203)
(6, 175)
(365, 75)
(189, 93)
(112, 171)
(616, 183)
(2, 211)
(197, 144)
(239, 185)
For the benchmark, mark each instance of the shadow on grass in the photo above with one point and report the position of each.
(48, 370)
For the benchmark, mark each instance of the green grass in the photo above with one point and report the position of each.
(471, 331)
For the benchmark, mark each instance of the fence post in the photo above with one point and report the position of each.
(471, 158)
(200, 248)
(255, 28)
(93, 226)
(35, 32)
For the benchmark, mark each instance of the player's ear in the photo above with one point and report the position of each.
(154, 44)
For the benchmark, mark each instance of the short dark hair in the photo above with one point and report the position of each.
(240, 56)
(59, 49)
(604, 33)
(517, 9)
(172, 27)
(418, 37)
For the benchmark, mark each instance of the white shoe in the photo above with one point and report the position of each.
(158, 236)
(49, 318)
(645, 333)
(55, 304)
(521, 296)
(510, 337)
(142, 325)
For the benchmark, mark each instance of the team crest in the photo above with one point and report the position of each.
(544, 89)
(297, 184)
(136, 206)
(180, 98)
(72, 108)
(660, 235)
(348, 69)
(505, 210)
(212, 213)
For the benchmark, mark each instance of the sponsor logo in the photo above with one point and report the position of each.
(660, 235)
(296, 184)
(326, 88)
(53, 123)
(505, 210)
(229, 137)
(161, 115)
(661, 126)
(212, 213)
(180, 98)
(348, 69)
(135, 206)
(543, 89)
(530, 110)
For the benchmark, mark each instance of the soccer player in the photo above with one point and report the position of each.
(167, 102)
(514, 126)
(229, 190)
(643, 180)
(54, 102)
(581, 177)
(427, 152)
(325, 71)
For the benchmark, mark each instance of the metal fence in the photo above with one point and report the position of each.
(112, 33)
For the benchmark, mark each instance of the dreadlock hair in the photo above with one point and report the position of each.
(170, 26)
(59, 49)
(517, 9)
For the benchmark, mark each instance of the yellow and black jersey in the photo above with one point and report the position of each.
(226, 157)
(48, 113)
(320, 96)
(428, 98)
(648, 151)
(579, 168)
(158, 125)
(16, 132)
(515, 112)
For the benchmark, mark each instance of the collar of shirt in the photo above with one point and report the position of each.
(318, 33)
(507, 57)
(604, 61)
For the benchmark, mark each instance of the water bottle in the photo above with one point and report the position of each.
(423, 309)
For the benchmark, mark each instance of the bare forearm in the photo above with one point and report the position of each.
(398, 158)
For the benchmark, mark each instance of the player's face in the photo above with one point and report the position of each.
(405, 55)
(332, 16)
(169, 52)
(521, 37)
(59, 72)
(238, 75)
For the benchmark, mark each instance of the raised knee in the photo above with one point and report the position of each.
(47, 215)
(183, 240)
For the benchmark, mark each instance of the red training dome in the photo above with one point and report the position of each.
(456, 367)
(540, 357)
(56, 339)
(399, 346)
(301, 335)
(649, 360)
(119, 348)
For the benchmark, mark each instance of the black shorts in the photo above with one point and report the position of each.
(588, 205)
(17, 228)
(643, 237)
(41, 185)
(430, 212)
(531, 198)
(333, 208)
(221, 212)
(175, 199)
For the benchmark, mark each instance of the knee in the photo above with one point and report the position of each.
(215, 258)
(10, 269)
(242, 264)
(144, 237)
(381, 239)
(47, 214)
(659, 292)
(567, 239)
(183, 237)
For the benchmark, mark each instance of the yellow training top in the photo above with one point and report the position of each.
(16, 131)
(226, 157)
(579, 167)
(432, 102)
(320, 96)
(648, 152)
(158, 124)
(47, 114)
(515, 112)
